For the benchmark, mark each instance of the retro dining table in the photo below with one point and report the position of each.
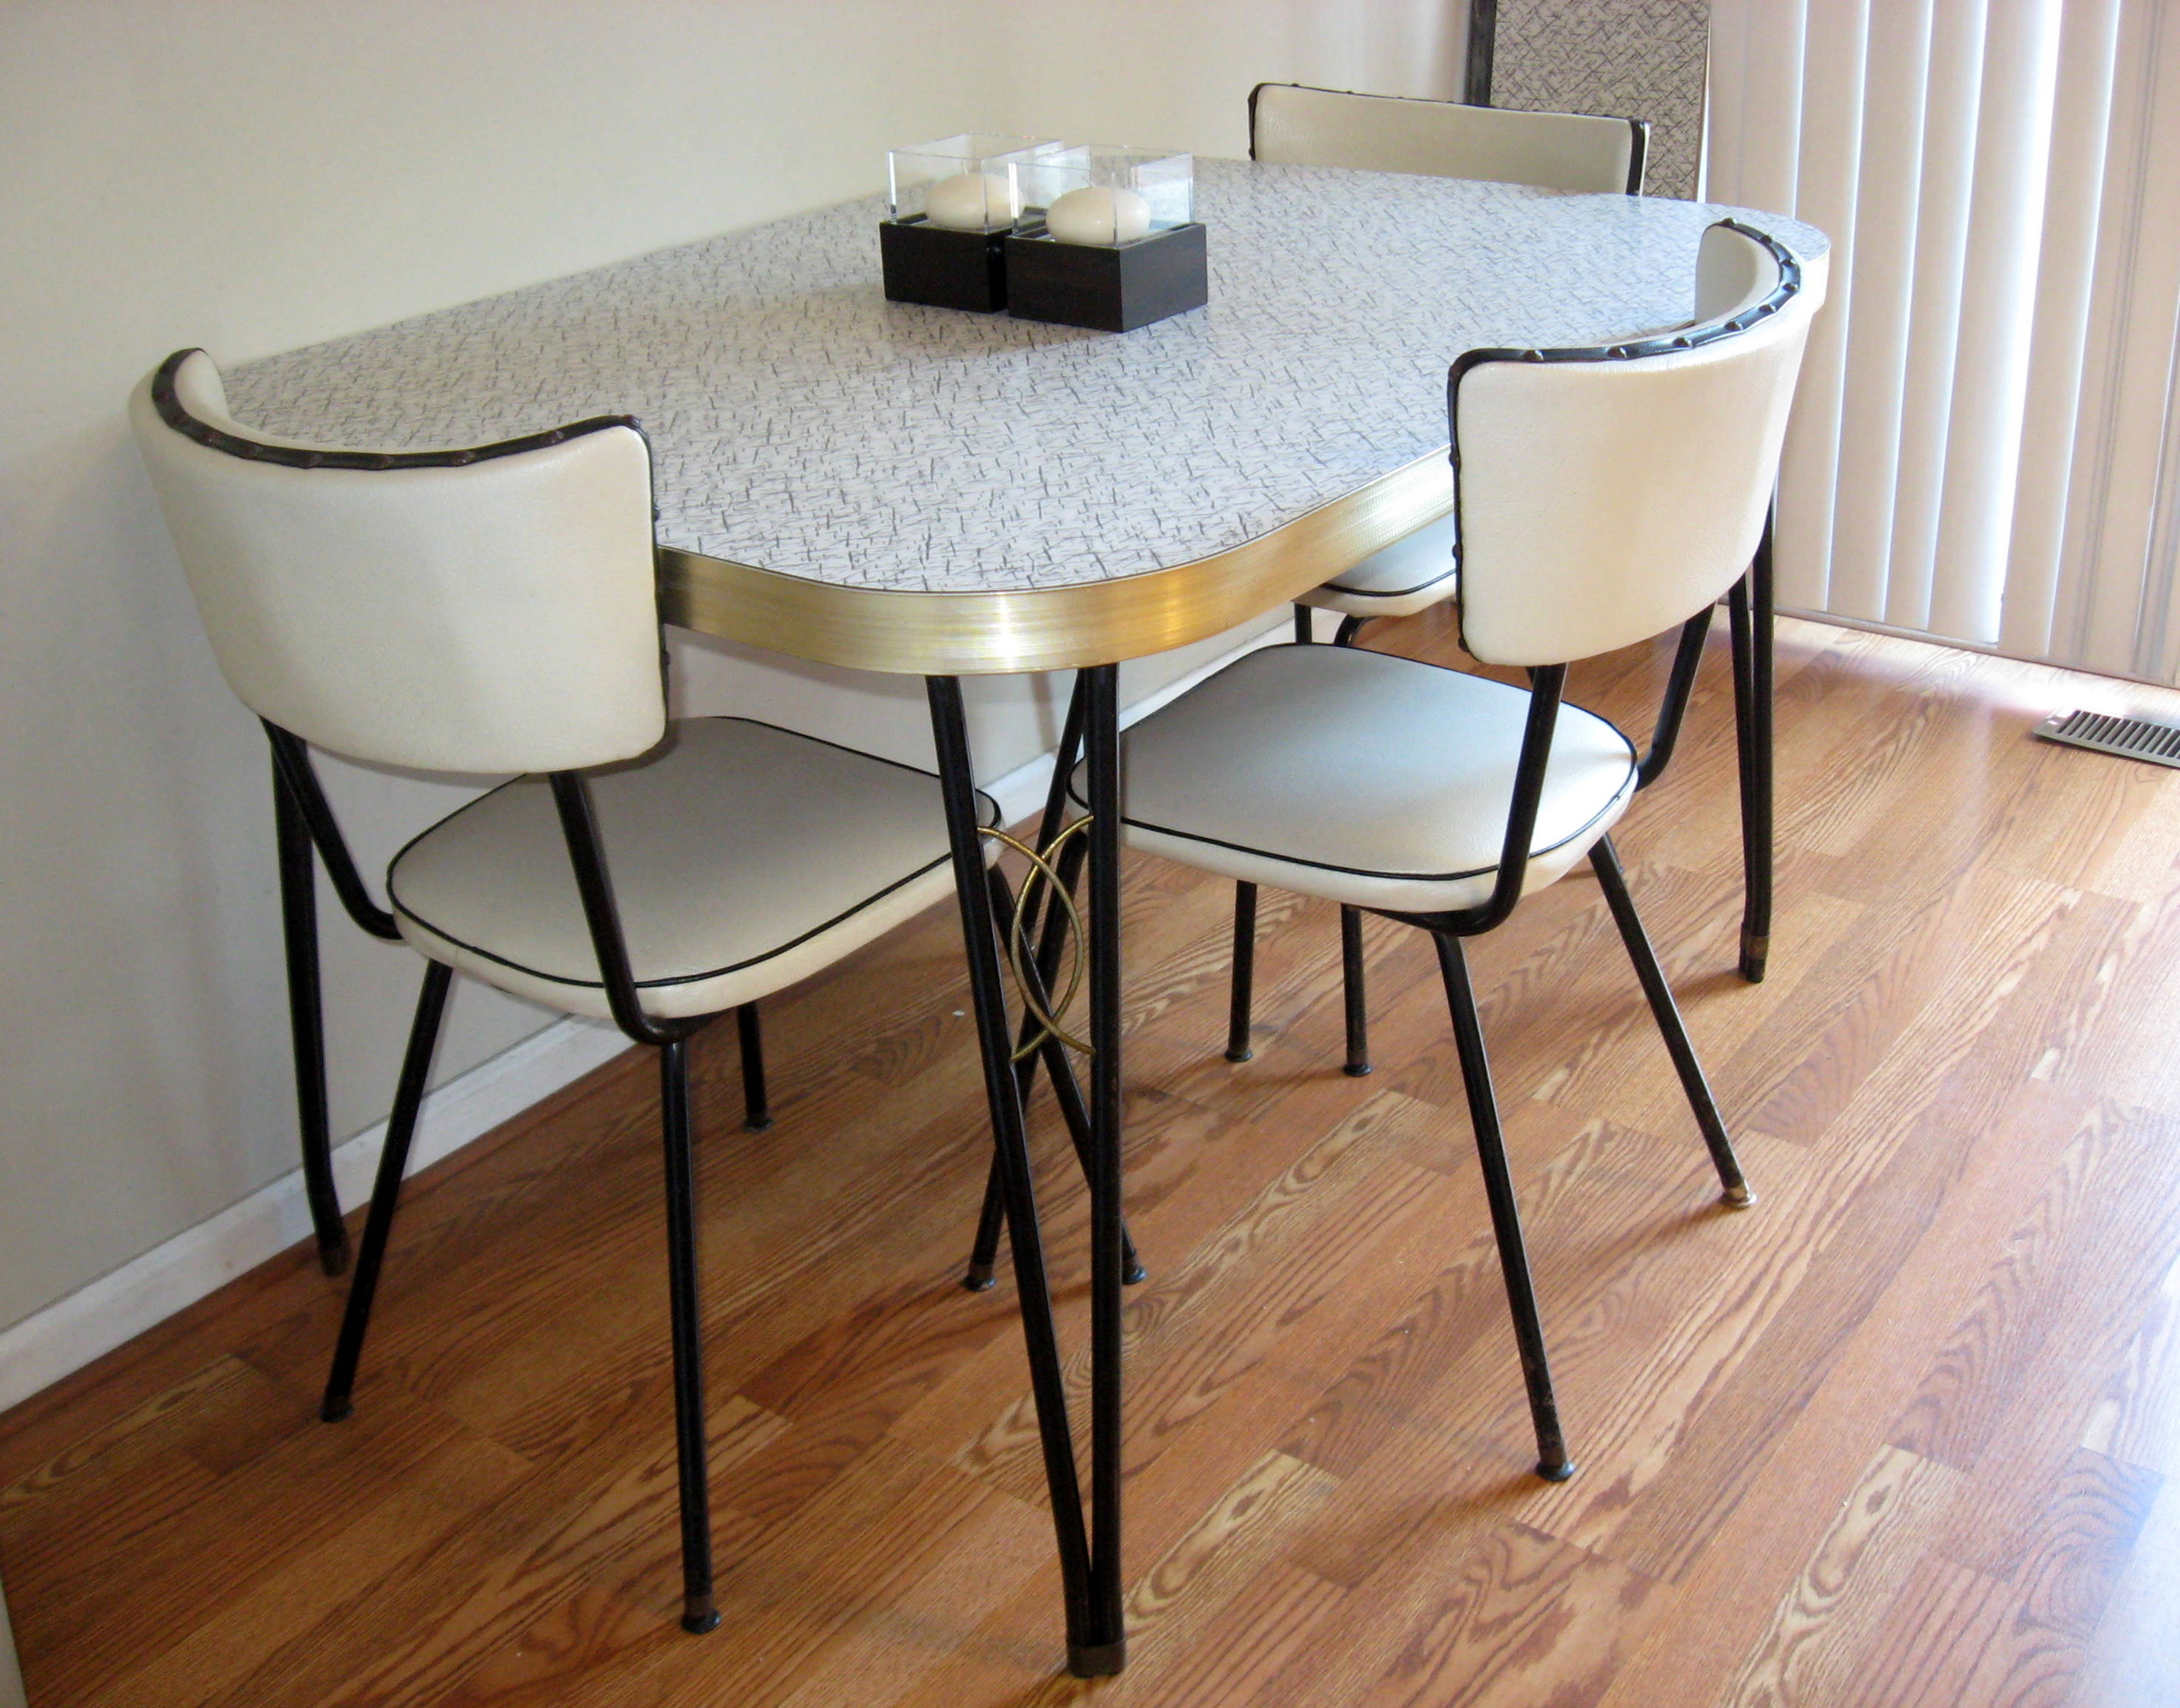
(919, 490)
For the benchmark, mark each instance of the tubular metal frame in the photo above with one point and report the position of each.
(585, 853)
(1547, 685)
(303, 825)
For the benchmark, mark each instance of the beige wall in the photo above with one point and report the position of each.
(250, 176)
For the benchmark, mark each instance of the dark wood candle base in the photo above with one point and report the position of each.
(1114, 288)
(942, 268)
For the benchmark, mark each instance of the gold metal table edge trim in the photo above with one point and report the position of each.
(1050, 628)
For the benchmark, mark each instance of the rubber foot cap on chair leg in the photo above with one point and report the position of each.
(698, 1615)
(1555, 1473)
(1135, 1272)
(334, 1258)
(1356, 1070)
(978, 1280)
(1737, 1197)
(756, 1123)
(1097, 1659)
(332, 1411)
(1755, 952)
(1241, 1055)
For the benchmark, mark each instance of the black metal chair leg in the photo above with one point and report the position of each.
(1355, 993)
(1552, 1463)
(1605, 859)
(757, 1109)
(306, 1022)
(1243, 975)
(386, 1191)
(987, 997)
(1756, 784)
(691, 1452)
(1350, 627)
(1304, 635)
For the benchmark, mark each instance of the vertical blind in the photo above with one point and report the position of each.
(1985, 447)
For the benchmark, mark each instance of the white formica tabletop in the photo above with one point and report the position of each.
(803, 426)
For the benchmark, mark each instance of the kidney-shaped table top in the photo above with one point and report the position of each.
(871, 483)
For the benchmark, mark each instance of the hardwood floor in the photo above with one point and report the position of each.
(1901, 1434)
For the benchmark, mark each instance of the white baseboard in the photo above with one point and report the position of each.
(122, 1303)
(69, 1333)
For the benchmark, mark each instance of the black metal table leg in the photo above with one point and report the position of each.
(983, 1252)
(988, 996)
(1103, 1650)
(306, 1022)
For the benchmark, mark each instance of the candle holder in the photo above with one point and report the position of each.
(1105, 238)
(953, 203)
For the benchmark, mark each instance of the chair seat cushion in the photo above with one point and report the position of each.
(1364, 778)
(1411, 575)
(742, 859)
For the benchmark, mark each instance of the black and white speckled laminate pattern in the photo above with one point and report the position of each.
(801, 423)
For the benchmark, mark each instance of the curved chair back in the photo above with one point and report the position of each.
(1608, 495)
(493, 610)
(1295, 126)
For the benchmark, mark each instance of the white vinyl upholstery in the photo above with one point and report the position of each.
(742, 859)
(1363, 778)
(1605, 501)
(1733, 273)
(497, 617)
(1412, 574)
(1294, 126)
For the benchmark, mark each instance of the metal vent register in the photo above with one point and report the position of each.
(2133, 738)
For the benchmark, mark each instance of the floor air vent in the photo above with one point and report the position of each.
(2133, 738)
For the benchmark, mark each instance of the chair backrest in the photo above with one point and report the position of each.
(493, 610)
(1608, 495)
(1294, 126)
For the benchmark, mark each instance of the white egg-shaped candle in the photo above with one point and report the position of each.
(970, 201)
(1096, 214)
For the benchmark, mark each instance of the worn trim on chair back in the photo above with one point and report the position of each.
(1606, 494)
(1293, 125)
(486, 609)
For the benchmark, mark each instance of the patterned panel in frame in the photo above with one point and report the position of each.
(1635, 59)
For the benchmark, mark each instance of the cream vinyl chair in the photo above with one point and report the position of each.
(1295, 125)
(1292, 125)
(495, 610)
(1572, 151)
(1439, 799)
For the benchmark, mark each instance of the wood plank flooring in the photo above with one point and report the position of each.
(1906, 1433)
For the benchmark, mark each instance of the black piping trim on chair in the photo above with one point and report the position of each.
(1632, 349)
(168, 401)
(1389, 592)
(1574, 835)
(394, 899)
(1638, 147)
